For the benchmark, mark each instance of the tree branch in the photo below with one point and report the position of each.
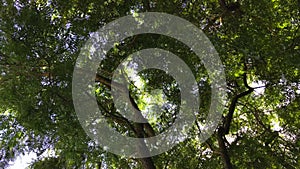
(234, 101)
(141, 129)
(223, 4)
(146, 5)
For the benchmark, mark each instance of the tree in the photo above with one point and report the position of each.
(258, 42)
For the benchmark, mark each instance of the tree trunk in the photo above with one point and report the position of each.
(223, 149)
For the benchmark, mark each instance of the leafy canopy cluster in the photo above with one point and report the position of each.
(257, 41)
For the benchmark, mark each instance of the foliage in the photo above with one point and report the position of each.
(257, 41)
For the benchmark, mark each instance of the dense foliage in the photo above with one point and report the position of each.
(257, 41)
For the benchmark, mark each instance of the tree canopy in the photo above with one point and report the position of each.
(257, 42)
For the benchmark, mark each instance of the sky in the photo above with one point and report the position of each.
(22, 161)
